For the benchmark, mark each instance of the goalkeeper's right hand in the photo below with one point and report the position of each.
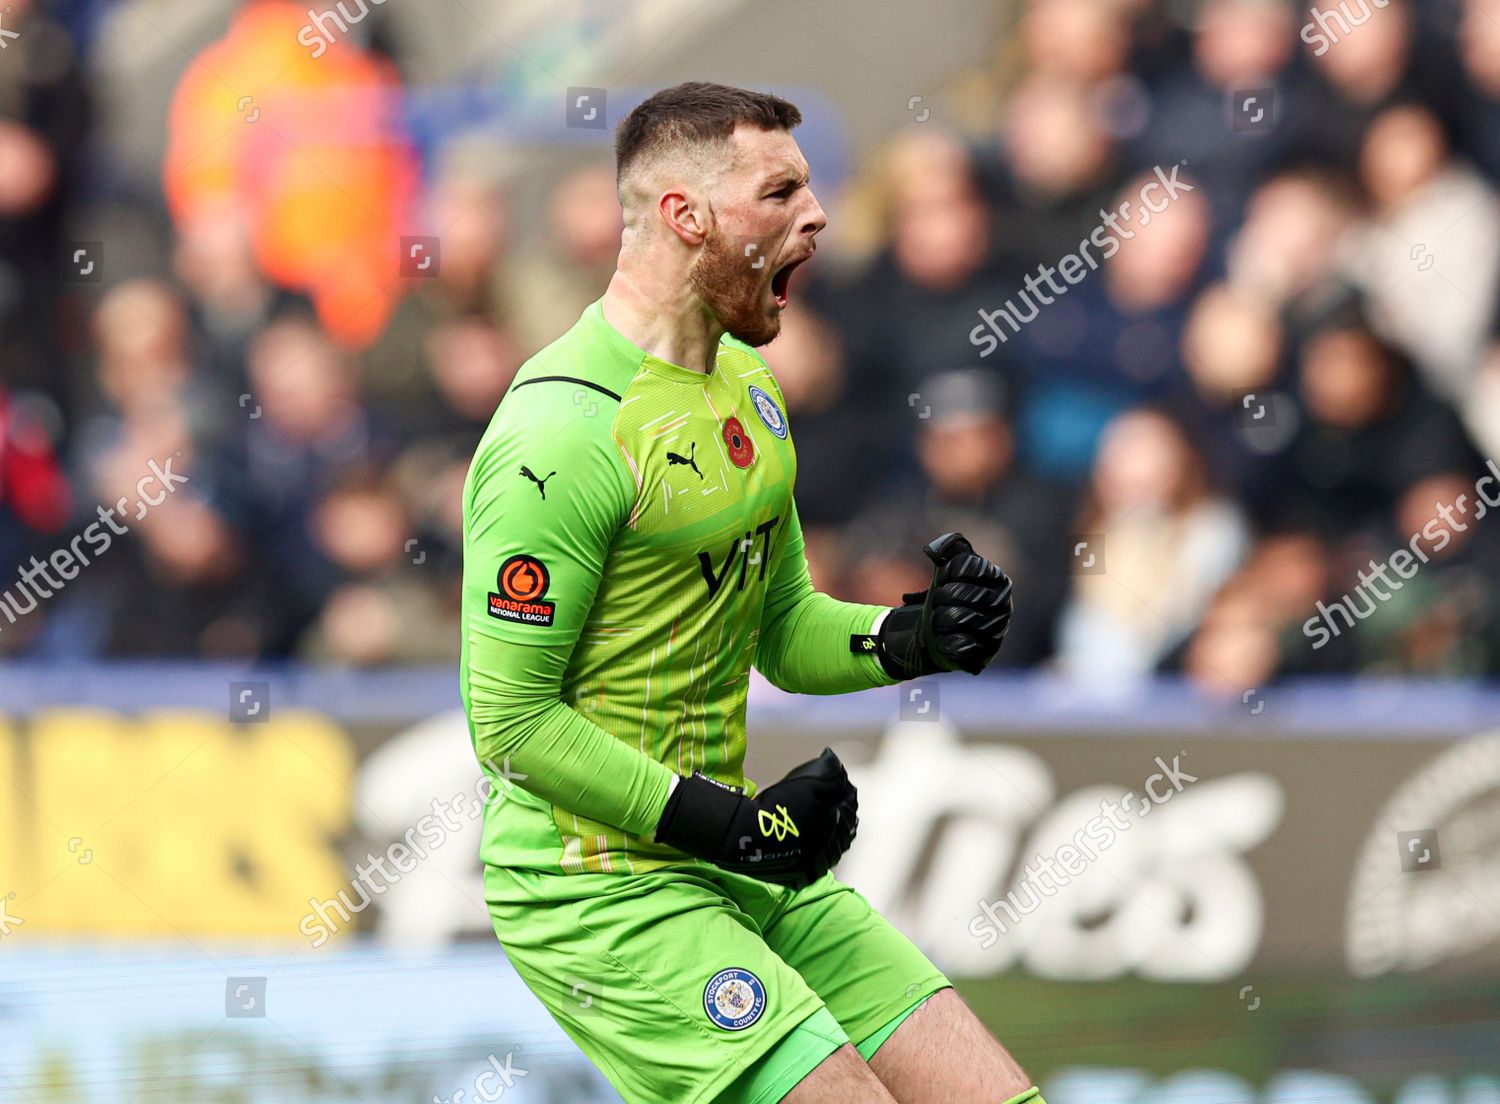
(791, 833)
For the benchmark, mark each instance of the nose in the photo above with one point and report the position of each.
(814, 220)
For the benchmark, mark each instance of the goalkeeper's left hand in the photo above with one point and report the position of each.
(957, 624)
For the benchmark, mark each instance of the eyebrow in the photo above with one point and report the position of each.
(783, 177)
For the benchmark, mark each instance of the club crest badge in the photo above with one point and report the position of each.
(734, 999)
(769, 412)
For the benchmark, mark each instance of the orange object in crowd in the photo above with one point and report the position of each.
(310, 150)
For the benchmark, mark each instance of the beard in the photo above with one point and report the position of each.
(724, 279)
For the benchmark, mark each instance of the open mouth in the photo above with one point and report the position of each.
(781, 281)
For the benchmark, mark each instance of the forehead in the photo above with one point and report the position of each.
(761, 155)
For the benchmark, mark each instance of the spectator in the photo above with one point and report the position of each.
(917, 303)
(1252, 633)
(1082, 42)
(551, 284)
(182, 582)
(1474, 105)
(333, 132)
(230, 300)
(1165, 543)
(309, 429)
(1427, 261)
(1232, 346)
(1058, 167)
(1366, 65)
(1370, 430)
(972, 484)
(35, 498)
(1237, 45)
(397, 372)
(1112, 340)
(1448, 623)
(45, 114)
(379, 609)
(1289, 248)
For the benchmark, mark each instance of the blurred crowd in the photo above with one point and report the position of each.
(1187, 449)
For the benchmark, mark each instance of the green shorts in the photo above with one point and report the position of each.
(695, 985)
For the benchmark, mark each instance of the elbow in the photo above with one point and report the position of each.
(501, 734)
(496, 745)
(775, 665)
(778, 677)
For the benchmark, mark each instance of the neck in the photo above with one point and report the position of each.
(671, 325)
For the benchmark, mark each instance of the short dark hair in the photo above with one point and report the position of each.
(696, 113)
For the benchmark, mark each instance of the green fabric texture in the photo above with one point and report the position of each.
(785, 1067)
(626, 561)
(624, 961)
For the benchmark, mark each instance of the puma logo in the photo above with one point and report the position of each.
(674, 458)
(541, 484)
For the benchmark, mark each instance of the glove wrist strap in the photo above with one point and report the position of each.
(899, 645)
(698, 816)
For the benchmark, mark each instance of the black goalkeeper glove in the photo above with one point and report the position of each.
(791, 833)
(957, 624)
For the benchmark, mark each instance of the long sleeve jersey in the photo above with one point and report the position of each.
(631, 549)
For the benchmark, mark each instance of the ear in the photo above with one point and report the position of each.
(686, 215)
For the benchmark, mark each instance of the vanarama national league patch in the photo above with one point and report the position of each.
(734, 999)
(523, 581)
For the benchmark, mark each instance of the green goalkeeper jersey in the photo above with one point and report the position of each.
(631, 548)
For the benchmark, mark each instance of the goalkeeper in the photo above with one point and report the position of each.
(631, 548)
